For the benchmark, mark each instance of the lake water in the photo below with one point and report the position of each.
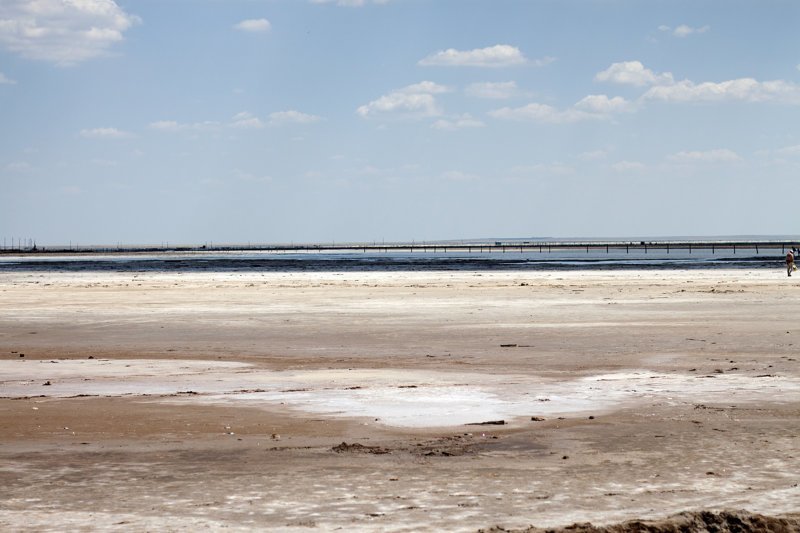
(558, 259)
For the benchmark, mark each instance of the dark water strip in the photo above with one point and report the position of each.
(379, 263)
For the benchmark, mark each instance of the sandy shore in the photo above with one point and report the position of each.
(175, 401)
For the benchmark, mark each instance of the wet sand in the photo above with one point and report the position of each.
(355, 400)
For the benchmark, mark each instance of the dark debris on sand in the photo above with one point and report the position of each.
(687, 522)
(359, 448)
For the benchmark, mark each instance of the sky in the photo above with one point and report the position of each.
(277, 121)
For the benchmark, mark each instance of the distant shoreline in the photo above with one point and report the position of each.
(384, 262)
(469, 247)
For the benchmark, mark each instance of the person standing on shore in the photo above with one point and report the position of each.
(790, 261)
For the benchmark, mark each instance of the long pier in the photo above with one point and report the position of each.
(476, 247)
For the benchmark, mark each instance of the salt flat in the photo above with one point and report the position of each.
(177, 400)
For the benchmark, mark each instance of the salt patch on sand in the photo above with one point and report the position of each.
(395, 397)
(114, 377)
(501, 397)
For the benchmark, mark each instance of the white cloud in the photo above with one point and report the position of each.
(458, 123)
(172, 126)
(540, 113)
(784, 155)
(499, 55)
(243, 120)
(628, 166)
(60, 31)
(426, 87)
(659, 87)
(105, 133)
(603, 105)
(166, 125)
(416, 101)
(542, 61)
(493, 90)
(633, 73)
(548, 114)
(389, 173)
(535, 112)
(246, 120)
(291, 116)
(742, 89)
(720, 155)
(254, 25)
(417, 104)
(663, 86)
(684, 31)
(5, 80)
(593, 155)
(789, 150)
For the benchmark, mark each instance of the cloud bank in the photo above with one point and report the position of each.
(499, 55)
(62, 32)
(663, 87)
(414, 101)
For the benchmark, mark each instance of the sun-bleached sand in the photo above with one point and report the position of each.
(181, 400)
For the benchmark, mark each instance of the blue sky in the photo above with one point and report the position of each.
(187, 121)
